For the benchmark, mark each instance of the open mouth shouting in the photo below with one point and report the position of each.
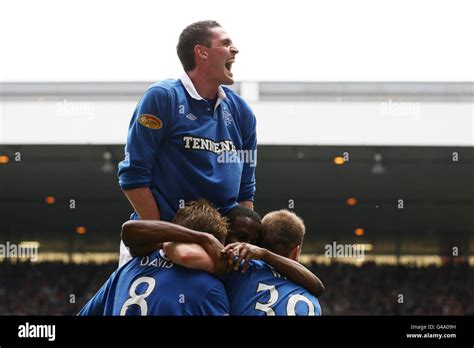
(228, 66)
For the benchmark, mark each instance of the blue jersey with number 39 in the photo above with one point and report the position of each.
(263, 291)
(153, 285)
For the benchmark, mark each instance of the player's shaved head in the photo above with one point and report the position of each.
(240, 211)
(245, 226)
(282, 230)
(201, 216)
(198, 33)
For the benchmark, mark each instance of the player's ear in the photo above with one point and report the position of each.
(201, 51)
(295, 253)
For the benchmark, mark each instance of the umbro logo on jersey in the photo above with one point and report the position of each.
(191, 117)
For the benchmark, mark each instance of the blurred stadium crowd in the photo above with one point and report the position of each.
(374, 290)
(55, 288)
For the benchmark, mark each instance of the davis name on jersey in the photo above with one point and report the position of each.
(153, 285)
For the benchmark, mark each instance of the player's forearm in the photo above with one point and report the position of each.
(143, 202)
(247, 204)
(144, 236)
(190, 255)
(295, 272)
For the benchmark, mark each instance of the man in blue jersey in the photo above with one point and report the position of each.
(260, 289)
(154, 285)
(283, 237)
(191, 138)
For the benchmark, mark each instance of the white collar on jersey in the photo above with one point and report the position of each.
(188, 84)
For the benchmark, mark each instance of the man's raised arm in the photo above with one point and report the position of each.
(145, 236)
(291, 269)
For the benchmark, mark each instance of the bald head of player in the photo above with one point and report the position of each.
(207, 53)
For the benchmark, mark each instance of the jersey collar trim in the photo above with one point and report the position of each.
(188, 84)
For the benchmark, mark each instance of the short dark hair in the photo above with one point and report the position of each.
(244, 232)
(201, 216)
(240, 211)
(194, 34)
(282, 230)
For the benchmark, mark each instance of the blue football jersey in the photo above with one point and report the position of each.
(153, 285)
(184, 149)
(263, 291)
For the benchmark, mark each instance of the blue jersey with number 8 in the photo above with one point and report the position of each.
(153, 285)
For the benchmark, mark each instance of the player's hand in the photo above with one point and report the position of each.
(221, 266)
(213, 247)
(243, 251)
